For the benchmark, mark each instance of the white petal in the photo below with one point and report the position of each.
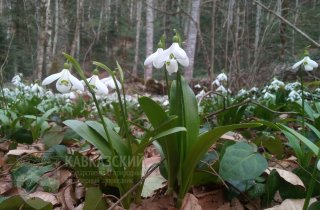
(184, 62)
(178, 52)
(51, 78)
(296, 65)
(312, 63)
(77, 85)
(108, 81)
(172, 66)
(161, 58)
(101, 89)
(308, 67)
(63, 85)
(150, 59)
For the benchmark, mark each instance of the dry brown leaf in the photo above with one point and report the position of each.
(48, 197)
(19, 152)
(291, 204)
(190, 202)
(287, 175)
(5, 184)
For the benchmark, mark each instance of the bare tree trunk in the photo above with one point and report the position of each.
(229, 22)
(56, 28)
(48, 39)
(213, 32)
(192, 37)
(137, 50)
(1, 7)
(75, 47)
(283, 28)
(149, 38)
(257, 29)
(42, 41)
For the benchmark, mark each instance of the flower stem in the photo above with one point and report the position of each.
(167, 83)
(302, 99)
(311, 187)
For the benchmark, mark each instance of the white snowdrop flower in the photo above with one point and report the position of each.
(254, 89)
(216, 82)
(197, 86)
(36, 88)
(268, 96)
(201, 94)
(222, 77)
(165, 103)
(222, 89)
(242, 92)
(26, 88)
(172, 66)
(98, 86)
(294, 96)
(292, 86)
(151, 58)
(317, 90)
(275, 84)
(17, 79)
(66, 81)
(307, 63)
(171, 57)
(108, 81)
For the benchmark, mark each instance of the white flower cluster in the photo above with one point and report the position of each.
(219, 81)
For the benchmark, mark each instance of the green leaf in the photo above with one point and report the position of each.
(22, 136)
(17, 202)
(53, 137)
(86, 170)
(153, 110)
(272, 185)
(94, 200)
(117, 142)
(242, 162)
(314, 206)
(204, 142)
(306, 141)
(28, 177)
(90, 135)
(183, 103)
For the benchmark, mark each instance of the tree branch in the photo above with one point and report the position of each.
(288, 23)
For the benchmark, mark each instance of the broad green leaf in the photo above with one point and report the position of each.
(153, 110)
(306, 141)
(204, 142)
(183, 103)
(90, 135)
(53, 137)
(308, 110)
(160, 135)
(94, 200)
(241, 161)
(117, 142)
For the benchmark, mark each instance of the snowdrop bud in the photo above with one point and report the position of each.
(318, 165)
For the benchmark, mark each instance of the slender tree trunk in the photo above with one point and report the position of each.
(149, 38)
(43, 27)
(192, 37)
(75, 47)
(48, 39)
(257, 28)
(283, 28)
(229, 23)
(137, 50)
(213, 32)
(56, 28)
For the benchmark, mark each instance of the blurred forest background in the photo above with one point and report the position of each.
(236, 36)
